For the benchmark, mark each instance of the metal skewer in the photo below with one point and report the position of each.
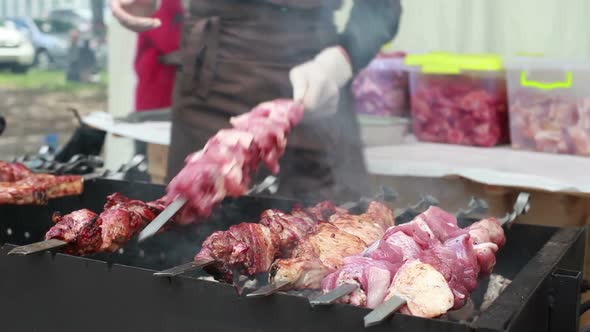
(37, 247)
(424, 203)
(181, 269)
(335, 294)
(476, 206)
(521, 207)
(269, 289)
(384, 310)
(270, 183)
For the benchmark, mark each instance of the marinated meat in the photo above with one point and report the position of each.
(224, 166)
(11, 172)
(38, 188)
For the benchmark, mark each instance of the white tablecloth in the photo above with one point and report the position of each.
(501, 166)
(156, 132)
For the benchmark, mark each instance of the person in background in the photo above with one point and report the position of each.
(156, 75)
(73, 64)
(239, 53)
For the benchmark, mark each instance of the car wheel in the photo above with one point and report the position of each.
(19, 69)
(42, 60)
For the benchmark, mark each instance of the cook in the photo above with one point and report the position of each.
(238, 53)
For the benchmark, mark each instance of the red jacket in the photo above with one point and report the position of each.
(155, 80)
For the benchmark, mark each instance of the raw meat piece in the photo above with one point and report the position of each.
(435, 254)
(382, 88)
(550, 123)
(373, 277)
(224, 166)
(460, 109)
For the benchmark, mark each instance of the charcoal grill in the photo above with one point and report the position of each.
(117, 292)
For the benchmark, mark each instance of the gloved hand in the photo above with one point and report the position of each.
(130, 21)
(317, 82)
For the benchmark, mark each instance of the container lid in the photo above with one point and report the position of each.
(450, 63)
(533, 62)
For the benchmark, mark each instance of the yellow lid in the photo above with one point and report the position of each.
(450, 63)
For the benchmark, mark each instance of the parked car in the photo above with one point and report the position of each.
(50, 39)
(16, 50)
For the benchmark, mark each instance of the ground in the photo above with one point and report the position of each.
(36, 104)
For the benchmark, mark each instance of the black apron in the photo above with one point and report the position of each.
(238, 53)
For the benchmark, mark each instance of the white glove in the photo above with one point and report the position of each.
(317, 82)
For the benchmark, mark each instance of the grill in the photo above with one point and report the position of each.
(117, 292)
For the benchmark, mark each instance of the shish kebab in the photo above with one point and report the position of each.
(221, 169)
(224, 166)
(84, 232)
(223, 247)
(251, 248)
(37, 189)
(426, 274)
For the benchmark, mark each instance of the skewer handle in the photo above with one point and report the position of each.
(383, 311)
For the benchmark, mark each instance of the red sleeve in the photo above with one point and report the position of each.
(166, 38)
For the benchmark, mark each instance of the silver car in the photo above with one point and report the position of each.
(16, 50)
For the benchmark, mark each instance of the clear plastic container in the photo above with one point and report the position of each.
(458, 99)
(382, 88)
(549, 105)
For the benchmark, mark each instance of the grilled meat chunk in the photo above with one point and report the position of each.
(251, 248)
(68, 227)
(121, 219)
(10, 172)
(324, 250)
(88, 233)
(38, 188)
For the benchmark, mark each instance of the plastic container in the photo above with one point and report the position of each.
(549, 105)
(458, 99)
(381, 89)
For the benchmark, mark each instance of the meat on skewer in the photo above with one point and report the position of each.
(224, 166)
(38, 188)
(87, 233)
(11, 172)
(323, 251)
(430, 262)
(253, 247)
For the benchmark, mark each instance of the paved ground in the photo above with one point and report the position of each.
(33, 113)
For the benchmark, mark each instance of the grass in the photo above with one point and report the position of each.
(46, 80)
